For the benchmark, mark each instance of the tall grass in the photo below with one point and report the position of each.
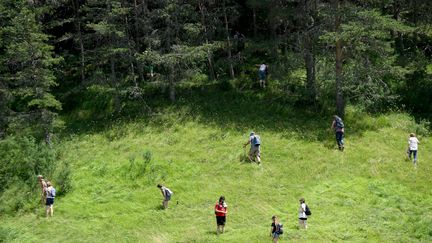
(369, 193)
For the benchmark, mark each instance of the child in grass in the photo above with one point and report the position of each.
(166, 193)
(50, 195)
(276, 227)
(412, 147)
(43, 186)
(302, 214)
(221, 210)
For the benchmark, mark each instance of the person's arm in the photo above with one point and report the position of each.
(333, 124)
(163, 192)
(217, 210)
(248, 142)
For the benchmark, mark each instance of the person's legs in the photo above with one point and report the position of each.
(410, 152)
(251, 154)
(275, 238)
(52, 210)
(415, 156)
(339, 139)
(258, 154)
(47, 209)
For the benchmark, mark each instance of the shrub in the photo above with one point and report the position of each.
(21, 160)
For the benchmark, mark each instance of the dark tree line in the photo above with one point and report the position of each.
(374, 52)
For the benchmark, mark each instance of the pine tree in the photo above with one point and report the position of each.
(27, 73)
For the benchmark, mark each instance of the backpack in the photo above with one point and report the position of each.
(339, 122)
(168, 192)
(52, 192)
(279, 229)
(307, 211)
(256, 141)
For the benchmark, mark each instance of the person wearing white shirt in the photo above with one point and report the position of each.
(302, 214)
(263, 70)
(413, 147)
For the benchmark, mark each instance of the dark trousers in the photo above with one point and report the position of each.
(339, 139)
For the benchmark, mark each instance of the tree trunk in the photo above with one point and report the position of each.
(209, 53)
(229, 44)
(137, 40)
(172, 84)
(340, 103)
(254, 22)
(117, 104)
(309, 58)
(80, 39)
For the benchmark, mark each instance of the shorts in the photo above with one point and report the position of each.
(275, 235)
(303, 218)
(220, 220)
(167, 198)
(262, 75)
(49, 201)
(255, 150)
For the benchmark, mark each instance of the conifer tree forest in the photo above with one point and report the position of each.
(56, 53)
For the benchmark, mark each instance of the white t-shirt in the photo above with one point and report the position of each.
(413, 143)
(302, 213)
(262, 67)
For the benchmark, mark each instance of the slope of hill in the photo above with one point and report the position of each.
(369, 193)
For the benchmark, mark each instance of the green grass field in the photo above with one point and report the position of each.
(369, 193)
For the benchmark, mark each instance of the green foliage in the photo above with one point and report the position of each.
(21, 160)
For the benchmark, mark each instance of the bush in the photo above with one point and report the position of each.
(21, 160)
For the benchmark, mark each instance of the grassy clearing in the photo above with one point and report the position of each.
(369, 193)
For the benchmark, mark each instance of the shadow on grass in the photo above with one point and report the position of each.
(228, 110)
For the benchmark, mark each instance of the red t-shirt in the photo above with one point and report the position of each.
(220, 207)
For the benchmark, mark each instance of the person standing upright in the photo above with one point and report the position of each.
(413, 143)
(262, 73)
(221, 210)
(43, 187)
(302, 214)
(338, 127)
(50, 193)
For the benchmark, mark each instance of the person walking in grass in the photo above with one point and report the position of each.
(50, 194)
(221, 210)
(276, 229)
(302, 214)
(166, 193)
(255, 149)
(338, 127)
(43, 186)
(413, 143)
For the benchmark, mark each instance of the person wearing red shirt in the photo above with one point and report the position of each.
(221, 210)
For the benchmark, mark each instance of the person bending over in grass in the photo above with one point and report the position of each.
(255, 149)
(276, 229)
(302, 214)
(50, 193)
(412, 147)
(221, 210)
(43, 186)
(338, 127)
(166, 193)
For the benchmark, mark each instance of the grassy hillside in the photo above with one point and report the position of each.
(369, 193)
